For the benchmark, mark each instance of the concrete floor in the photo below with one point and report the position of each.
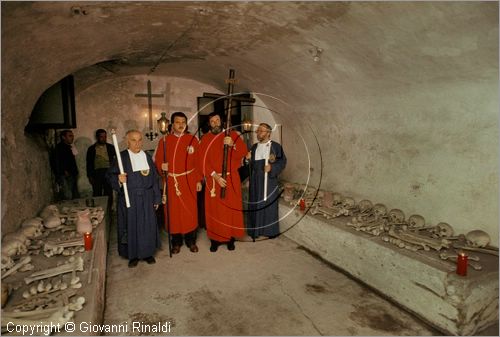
(272, 287)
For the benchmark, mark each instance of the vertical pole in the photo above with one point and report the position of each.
(230, 86)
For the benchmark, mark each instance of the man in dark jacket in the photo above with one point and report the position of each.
(65, 168)
(100, 157)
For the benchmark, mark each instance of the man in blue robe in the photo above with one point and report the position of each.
(266, 156)
(138, 235)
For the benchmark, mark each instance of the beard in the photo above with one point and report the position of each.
(216, 130)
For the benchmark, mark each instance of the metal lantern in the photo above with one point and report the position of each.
(163, 123)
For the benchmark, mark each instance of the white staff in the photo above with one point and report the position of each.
(266, 162)
(265, 177)
(120, 166)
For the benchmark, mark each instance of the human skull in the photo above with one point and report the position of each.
(379, 210)
(38, 222)
(7, 262)
(348, 203)
(365, 205)
(396, 216)
(337, 198)
(50, 210)
(52, 221)
(416, 221)
(18, 236)
(13, 247)
(31, 231)
(443, 230)
(477, 238)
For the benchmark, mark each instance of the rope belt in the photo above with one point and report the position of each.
(212, 191)
(176, 183)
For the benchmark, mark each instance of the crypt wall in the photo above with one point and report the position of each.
(111, 104)
(401, 108)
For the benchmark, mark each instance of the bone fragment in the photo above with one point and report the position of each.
(12, 270)
(76, 265)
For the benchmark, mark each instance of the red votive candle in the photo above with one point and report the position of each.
(462, 264)
(87, 241)
(302, 204)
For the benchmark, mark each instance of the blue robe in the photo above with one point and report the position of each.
(138, 234)
(263, 215)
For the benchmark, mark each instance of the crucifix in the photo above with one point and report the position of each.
(151, 135)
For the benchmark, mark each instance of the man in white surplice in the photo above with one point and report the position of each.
(138, 235)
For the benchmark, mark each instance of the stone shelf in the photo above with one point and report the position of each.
(419, 281)
(94, 292)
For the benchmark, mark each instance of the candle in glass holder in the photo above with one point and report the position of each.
(302, 204)
(462, 264)
(87, 241)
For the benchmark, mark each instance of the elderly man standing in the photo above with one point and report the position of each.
(224, 216)
(267, 160)
(138, 235)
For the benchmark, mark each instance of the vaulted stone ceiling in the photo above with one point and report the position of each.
(391, 79)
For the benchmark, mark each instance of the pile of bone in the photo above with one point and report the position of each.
(46, 288)
(65, 246)
(370, 218)
(333, 205)
(96, 214)
(325, 203)
(46, 307)
(17, 243)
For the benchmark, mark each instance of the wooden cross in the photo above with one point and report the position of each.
(150, 96)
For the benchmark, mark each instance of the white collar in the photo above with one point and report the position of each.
(138, 160)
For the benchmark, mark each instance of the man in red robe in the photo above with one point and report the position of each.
(224, 217)
(184, 180)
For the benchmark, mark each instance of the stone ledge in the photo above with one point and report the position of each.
(420, 281)
(94, 292)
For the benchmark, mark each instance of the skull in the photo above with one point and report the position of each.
(38, 222)
(48, 211)
(13, 247)
(477, 238)
(379, 210)
(337, 198)
(416, 221)
(7, 262)
(18, 236)
(31, 231)
(348, 203)
(365, 206)
(443, 230)
(396, 216)
(52, 221)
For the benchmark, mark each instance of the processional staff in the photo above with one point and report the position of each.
(120, 166)
(165, 191)
(230, 84)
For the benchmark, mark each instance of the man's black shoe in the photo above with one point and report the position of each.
(133, 263)
(213, 246)
(230, 244)
(150, 260)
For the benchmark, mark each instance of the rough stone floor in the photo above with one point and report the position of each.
(271, 287)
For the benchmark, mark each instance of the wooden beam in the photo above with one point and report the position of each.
(238, 97)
